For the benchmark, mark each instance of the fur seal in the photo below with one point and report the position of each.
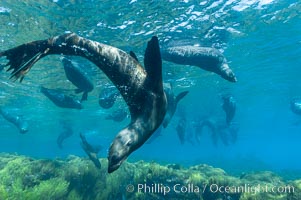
(76, 75)
(229, 106)
(107, 97)
(66, 133)
(90, 151)
(211, 124)
(142, 89)
(118, 115)
(219, 130)
(60, 99)
(172, 103)
(181, 129)
(17, 120)
(296, 106)
(207, 58)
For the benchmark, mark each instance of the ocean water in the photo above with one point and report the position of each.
(261, 40)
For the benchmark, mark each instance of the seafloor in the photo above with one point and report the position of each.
(77, 178)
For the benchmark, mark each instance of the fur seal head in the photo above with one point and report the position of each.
(122, 146)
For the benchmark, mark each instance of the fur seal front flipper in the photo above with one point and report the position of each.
(142, 91)
(134, 56)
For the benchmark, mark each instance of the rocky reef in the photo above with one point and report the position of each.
(77, 178)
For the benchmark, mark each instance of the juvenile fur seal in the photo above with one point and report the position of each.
(229, 106)
(181, 129)
(118, 115)
(17, 120)
(211, 124)
(219, 130)
(141, 89)
(66, 133)
(172, 103)
(60, 99)
(207, 58)
(107, 97)
(296, 106)
(90, 150)
(76, 75)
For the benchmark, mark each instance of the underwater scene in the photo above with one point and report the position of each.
(150, 99)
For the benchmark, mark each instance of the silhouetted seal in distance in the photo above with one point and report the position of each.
(60, 99)
(141, 89)
(17, 120)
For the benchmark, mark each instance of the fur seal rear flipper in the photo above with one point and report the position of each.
(206, 58)
(141, 90)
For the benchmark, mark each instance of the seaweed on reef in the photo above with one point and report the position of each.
(77, 178)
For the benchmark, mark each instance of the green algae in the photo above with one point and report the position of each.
(77, 178)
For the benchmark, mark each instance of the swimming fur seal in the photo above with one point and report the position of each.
(207, 58)
(141, 89)
(296, 106)
(76, 75)
(66, 133)
(229, 106)
(107, 97)
(211, 124)
(172, 103)
(219, 130)
(181, 129)
(60, 99)
(118, 115)
(90, 150)
(17, 120)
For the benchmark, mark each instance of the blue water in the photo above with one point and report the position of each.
(261, 40)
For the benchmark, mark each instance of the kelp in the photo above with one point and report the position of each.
(74, 178)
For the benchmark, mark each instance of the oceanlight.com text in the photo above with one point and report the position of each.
(159, 188)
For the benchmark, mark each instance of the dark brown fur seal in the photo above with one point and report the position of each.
(141, 89)
(207, 58)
